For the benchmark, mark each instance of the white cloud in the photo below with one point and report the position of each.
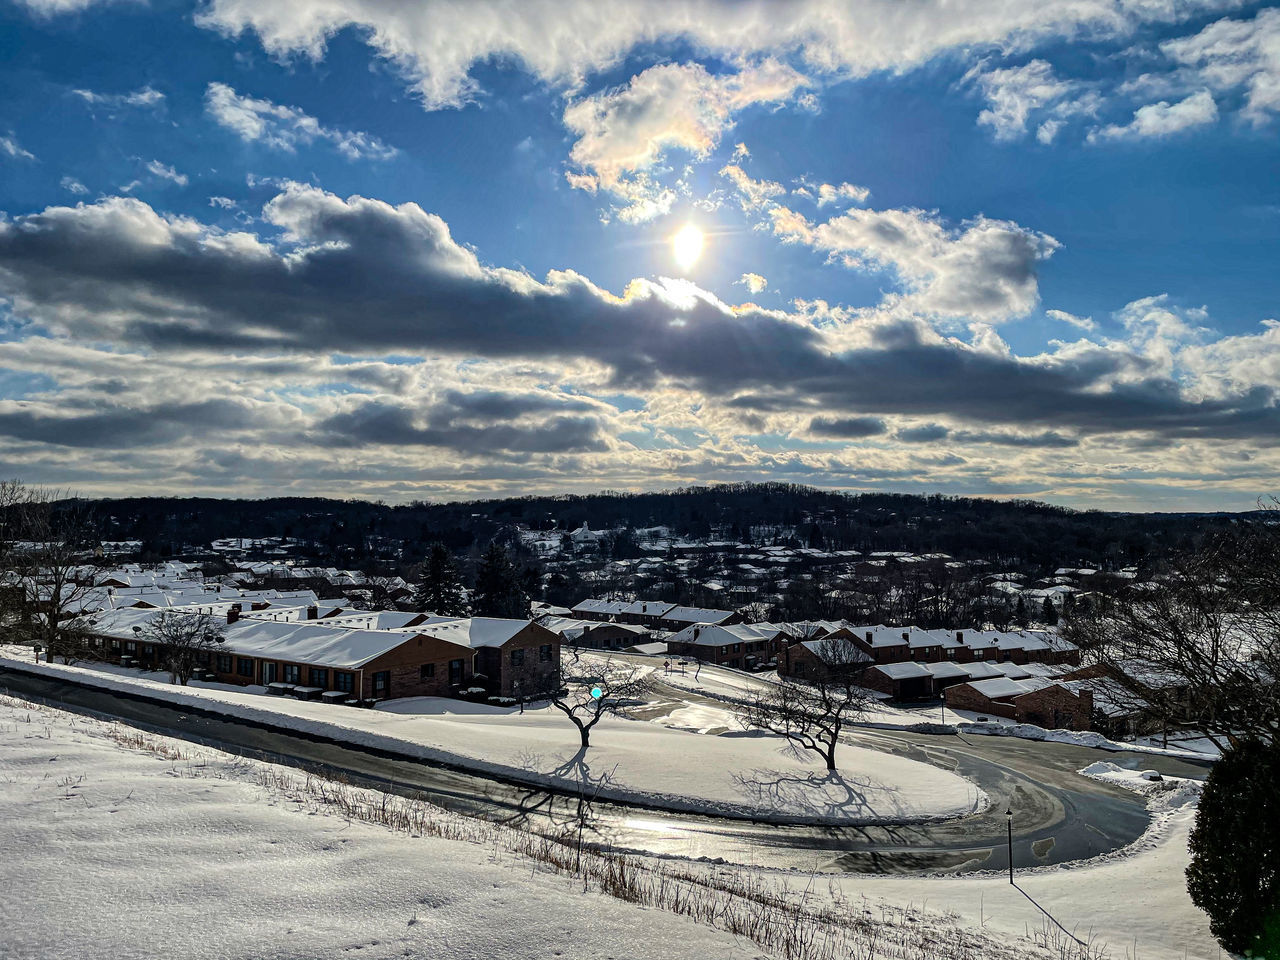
(623, 134)
(753, 282)
(752, 194)
(1014, 94)
(284, 128)
(562, 42)
(73, 185)
(1163, 119)
(144, 97)
(983, 270)
(166, 172)
(11, 148)
(1084, 323)
(1232, 54)
(829, 193)
(52, 8)
(223, 203)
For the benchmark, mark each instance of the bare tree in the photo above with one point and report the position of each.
(47, 536)
(1198, 647)
(183, 641)
(813, 714)
(593, 688)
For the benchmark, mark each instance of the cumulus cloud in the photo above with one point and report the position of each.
(1236, 54)
(753, 282)
(563, 42)
(753, 195)
(360, 277)
(1014, 94)
(1163, 119)
(624, 133)
(284, 128)
(985, 269)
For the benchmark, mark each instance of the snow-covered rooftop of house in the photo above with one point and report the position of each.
(696, 615)
(903, 671)
(948, 668)
(472, 631)
(999, 688)
(713, 635)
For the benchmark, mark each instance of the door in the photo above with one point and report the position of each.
(455, 673)
(268, 673)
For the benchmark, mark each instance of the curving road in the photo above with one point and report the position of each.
(1058, 814)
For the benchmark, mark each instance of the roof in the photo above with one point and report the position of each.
(473, 631)
(903, 671)
(947, 669)
(1002, 688)
(714, 635)
(696, 615)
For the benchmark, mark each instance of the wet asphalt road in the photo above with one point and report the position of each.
(1058, 814)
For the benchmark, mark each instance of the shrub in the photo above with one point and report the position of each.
(1234, 875)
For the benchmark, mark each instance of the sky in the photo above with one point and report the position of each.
(461, 248)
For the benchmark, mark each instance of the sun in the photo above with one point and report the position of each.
(686, 246)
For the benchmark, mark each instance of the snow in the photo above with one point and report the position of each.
(1133, 900)
(736, 774)
(128, 856)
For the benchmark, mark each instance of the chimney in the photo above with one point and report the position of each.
(697, 631)
(312, 611)
(868, 636)
(906, 634)
(960, 636)
(233, 613)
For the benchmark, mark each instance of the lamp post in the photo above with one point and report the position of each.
(1008, 816)
(944, 704)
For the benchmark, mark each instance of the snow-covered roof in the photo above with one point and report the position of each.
(713, 635)
(473, 631)
(696, 615)
(1000, 688)
(903, 671)
(948, 669)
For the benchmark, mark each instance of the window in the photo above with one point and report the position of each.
(244, 667)
(346, 682)
(318, 677)
(224, 663)
(427, 671)
(381, 683)
(544, 653)
(517, 658)
(147, 650)
(292, 673)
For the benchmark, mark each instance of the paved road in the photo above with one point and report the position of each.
(1059, 815)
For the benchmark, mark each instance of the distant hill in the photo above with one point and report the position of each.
(1014, 531)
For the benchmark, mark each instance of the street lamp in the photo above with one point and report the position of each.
(1008, 816)
(944, 704)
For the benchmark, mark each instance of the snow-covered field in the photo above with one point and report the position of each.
(1133, 900)
(122, 845)
(116, 854)
(735, 773)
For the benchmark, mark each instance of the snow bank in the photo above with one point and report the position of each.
(759, 778)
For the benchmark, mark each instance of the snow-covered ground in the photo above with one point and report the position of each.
(1133, 900)
(731, 686)
(736, 773)
(116, 854)
(124, 845)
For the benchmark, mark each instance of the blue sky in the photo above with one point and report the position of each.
(424, 250)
